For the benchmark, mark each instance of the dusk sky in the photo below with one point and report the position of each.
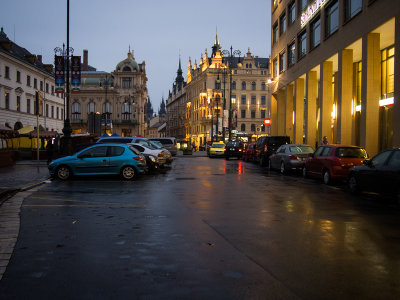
(158, 31)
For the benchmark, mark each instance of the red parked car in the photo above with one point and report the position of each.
(249, 152)
(333, 162)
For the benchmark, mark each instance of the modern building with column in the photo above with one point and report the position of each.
(335, 73)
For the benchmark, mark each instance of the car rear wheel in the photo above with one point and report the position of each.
(128, 172)
(304, 171)
(63, 173)
(353, 185)
(326, 177)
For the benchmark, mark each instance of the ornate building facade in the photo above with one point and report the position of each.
(22, 74)
(176, 107)
(112, 102)
(209, 86)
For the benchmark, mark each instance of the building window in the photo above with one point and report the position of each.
(234, 85)
(302, 43)
(243, 99)
(7, 100)
(91, 107)
(282, 62)
(263, 86)
(243, 127)
(18, 76)
(253, 127)
(18, 103)
(47, 110)
(76, 111)
(243, 113)
(107, 107)
(126, 83)
(275, 33)
(253, 86)
(352, 8)
(233, 99)
(332, 18)
(52, 89)
(62, 113)
(35, 83)
(58, 112)
(282, 24)
(28, 106)
(387, 73)
(275, 67)
(263, 101)
(253, 100)
(28, 80)
(253, 114)
(292, 12)
(126, 111)
(263, 114)
(315, 33)
(302, 5)
(47, 88)
(52, 111)
(291, 54)
(243, 85)
(41, 85)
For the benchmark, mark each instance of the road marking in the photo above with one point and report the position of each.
(85, 205)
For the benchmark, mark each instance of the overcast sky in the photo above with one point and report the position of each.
(156, 30)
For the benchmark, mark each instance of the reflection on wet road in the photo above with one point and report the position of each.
(206, 228)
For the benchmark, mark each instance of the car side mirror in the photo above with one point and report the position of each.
(367, 163)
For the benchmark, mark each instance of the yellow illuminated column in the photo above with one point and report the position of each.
(299, 111)
(326, 101)
(289, 111)
(274, 116)
(370, 94)
(311, 122)
(281, 111)
(345, 118)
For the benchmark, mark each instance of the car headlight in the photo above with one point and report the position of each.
(152, 158)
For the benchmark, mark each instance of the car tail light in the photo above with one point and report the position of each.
(240, 150)
(160, 154)
(265, 148)
(293, 157)
(137, 158)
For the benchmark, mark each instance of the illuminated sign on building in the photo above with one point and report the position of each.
(267, 121)
(310, 11)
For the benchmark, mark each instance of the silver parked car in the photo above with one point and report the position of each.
(290, 157)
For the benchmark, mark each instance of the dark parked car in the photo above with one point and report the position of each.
(234, 149)
(333, 162)
(266, 145)
(381, 174)
(100, 159)
(249, 151)
(290, 157)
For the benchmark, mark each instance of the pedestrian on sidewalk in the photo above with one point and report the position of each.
(49, 150)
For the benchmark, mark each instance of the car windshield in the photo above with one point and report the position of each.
(233, 144)
(218, 146)
(156, 144)
(300, 149)
(349, 152)
(134, 150)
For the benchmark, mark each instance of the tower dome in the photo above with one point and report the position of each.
(129, 64)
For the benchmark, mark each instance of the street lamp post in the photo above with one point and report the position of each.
(231, 54)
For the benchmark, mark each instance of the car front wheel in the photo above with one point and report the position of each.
(63, 173)
(128, 172)
(353, 185)
(283, 169)
(327, 177)
(304, 171)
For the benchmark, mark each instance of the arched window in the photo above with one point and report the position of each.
(243, 85)
(126, 111)
(253, 127)
(253, 86)
(243, 127)
(126, 69)
(250, 66)
(263, 86)
(91, 107)
(76, 111)
(234, 85)
(107, 107)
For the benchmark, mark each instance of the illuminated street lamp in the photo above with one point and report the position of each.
(230, 55)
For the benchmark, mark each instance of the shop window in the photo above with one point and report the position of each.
(332, 18)
(291, 54)
(387, 72)
(315, 32)
(302, 44)
(352, 8)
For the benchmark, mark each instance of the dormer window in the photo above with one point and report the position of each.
(126, 69)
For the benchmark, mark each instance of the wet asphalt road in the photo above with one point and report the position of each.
(206, 228)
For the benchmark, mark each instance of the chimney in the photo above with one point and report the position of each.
(39, 58)
(85, 60)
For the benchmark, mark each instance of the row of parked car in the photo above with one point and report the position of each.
(330, 163)
(125, 156)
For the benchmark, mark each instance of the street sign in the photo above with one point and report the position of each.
(267, 121)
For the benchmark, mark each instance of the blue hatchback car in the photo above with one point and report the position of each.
(100, 159)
